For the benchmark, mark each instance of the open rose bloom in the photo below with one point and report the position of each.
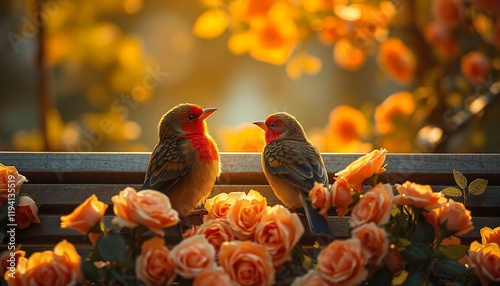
(10, 183)
(149, 208)
(26, 212)
(58, 267)
(154, 266)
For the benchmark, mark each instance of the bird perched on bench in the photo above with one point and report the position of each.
(292, 165)
(185, 162)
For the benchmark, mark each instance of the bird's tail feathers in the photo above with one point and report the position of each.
(318, 225)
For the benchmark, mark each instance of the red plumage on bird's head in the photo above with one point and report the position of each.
(184, 119)
(281, 125)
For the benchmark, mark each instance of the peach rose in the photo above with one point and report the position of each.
(26, 212)
(431, 216)
(363, 168)
(278, 231)
(146, 207)
(248, 263)
(343, 262)
(475, 66)
(457, 218)
(374, 241)
(245, 214)
(341, 196)
(10, 182)
(58, 267)
(214, 276)
(216, 231)
(420, 196)
(374, 206)
(312, 278)
(9, 259)
(154, 265)
(85, 216)
(192, 255)
(490, 235)
(321, 199)
(485, 261)
(219, 205)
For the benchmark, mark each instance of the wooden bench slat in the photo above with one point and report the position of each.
(242, 168)
(63, 198)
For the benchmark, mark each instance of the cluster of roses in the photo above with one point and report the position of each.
(372, 244)
(241, 241)
(20, 206)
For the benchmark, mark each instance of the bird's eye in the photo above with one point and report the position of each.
(191, 116)
(272, 125)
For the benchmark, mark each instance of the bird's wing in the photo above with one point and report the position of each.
(170, 162)
(297, 162)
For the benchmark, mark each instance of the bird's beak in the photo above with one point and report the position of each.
(207, 112)
(261, 124)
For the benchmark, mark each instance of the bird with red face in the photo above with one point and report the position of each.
(292, 164)
(185, 162)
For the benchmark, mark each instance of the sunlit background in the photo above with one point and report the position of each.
(410, 76)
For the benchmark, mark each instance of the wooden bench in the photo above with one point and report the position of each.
(62, 181)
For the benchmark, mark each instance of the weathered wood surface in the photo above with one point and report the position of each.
(64, 180)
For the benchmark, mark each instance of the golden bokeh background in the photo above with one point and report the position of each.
(409, 76)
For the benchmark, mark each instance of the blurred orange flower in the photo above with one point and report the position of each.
(9, 259)
(397, 60)
(85, 216)
(303, 63)
(242, 138)
(331, 30)
(347, 55)
(442, 40)
(346, 124)
(10, 182)
(449, 12)
(393, 112)
(475, 66)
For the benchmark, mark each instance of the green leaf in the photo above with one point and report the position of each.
(452, 192)
(417, 254)
(478, 186)
(112, 247)
(118, 276)
(460, 179)
(90, 272)
(454, 252)
(414, 278)
(449, 269)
